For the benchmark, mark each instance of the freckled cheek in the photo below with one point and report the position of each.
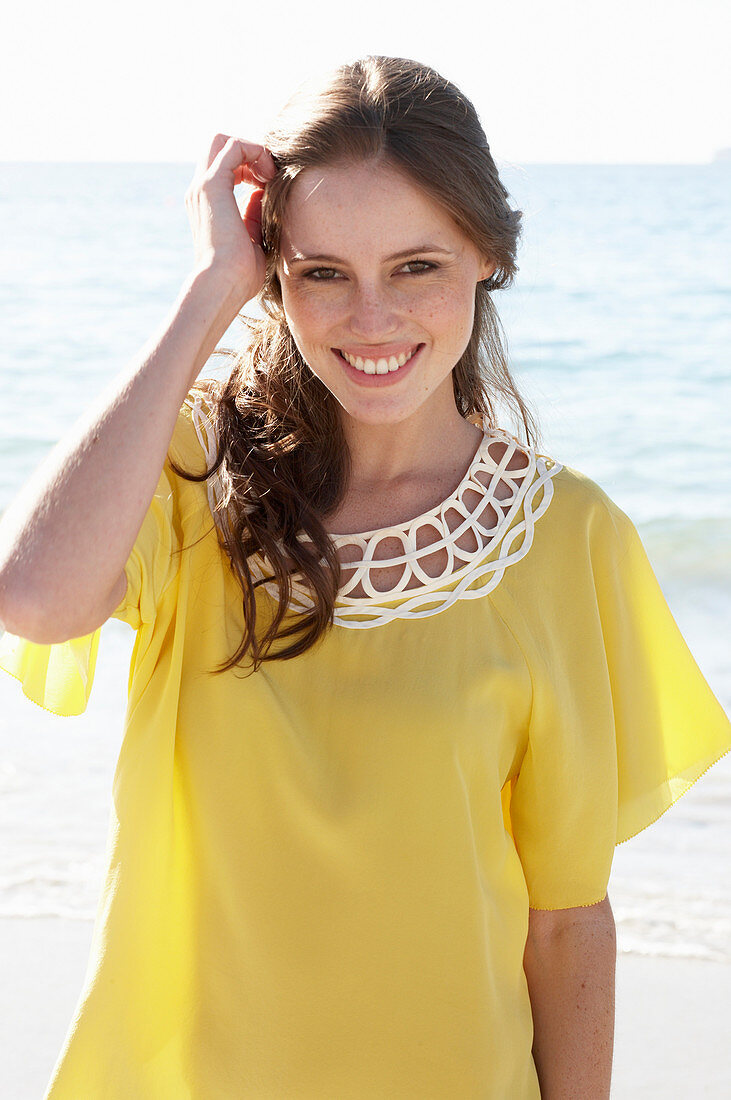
(309, 320)
(446, 310)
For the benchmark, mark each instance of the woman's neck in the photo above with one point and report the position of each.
(392, 457)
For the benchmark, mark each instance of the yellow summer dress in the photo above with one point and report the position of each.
(319, 875)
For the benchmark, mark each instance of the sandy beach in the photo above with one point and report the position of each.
(673, 1023)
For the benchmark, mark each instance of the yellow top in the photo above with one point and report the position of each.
(319, 875)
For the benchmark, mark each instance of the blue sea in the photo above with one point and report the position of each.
(619, 334)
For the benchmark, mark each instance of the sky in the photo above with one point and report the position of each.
(566, 81)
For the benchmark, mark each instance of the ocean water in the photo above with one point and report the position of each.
(619, 334)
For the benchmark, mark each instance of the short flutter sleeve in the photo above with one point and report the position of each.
(623, 721)
(56, 677)
(59, 677)
(155, 555)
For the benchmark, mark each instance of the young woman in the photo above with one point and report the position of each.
(400, 683)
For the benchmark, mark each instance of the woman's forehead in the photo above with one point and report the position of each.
(359, 204)
(345, 182)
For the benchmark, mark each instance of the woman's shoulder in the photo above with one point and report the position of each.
(564, 550)
(568, 527)
(193, 444)
(192, 451)
(578, 502)
(554, 495)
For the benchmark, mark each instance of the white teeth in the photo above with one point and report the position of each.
(380, 366)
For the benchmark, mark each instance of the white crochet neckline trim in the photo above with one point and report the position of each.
(467, 573)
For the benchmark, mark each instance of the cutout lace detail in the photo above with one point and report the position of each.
(482, 528)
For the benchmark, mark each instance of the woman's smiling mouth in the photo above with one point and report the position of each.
(379, 370)
(382, 364)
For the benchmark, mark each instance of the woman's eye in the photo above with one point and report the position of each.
(420, 265)
(321, 274)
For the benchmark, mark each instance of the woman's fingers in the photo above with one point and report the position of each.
(205, 162)
(249, 161)
(252, 215)
(263, 167)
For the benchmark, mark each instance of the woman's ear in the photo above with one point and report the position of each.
(486, 270)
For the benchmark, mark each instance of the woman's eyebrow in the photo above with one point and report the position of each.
(298, 257)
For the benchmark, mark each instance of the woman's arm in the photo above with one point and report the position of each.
(66, 536)
(570, 959)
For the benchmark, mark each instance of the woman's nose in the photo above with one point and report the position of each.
(372, 314)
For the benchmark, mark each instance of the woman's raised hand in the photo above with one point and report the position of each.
(224, 241)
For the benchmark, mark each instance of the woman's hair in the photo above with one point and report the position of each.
(282, 457)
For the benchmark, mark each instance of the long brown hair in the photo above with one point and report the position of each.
(282, 456)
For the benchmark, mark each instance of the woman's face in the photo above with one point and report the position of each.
(375, 273)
